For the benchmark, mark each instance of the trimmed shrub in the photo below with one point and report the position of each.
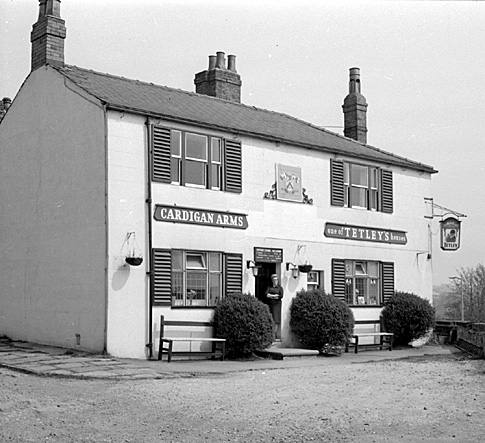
(408, 316)
(245, 323)
(320, 321)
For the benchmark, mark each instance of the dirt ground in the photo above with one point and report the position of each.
(430, 399)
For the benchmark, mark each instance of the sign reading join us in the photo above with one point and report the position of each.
(178, 214)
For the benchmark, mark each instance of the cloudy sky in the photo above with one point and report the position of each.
(422, 71)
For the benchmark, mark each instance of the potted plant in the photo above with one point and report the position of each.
(305, 268)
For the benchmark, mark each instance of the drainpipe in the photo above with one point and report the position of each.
(106, 211)
(149, 345)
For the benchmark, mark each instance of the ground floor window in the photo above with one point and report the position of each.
(314, 280)
(190, 278)
(362, 282)
(196, 278)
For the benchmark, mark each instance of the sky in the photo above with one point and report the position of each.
(421, 63)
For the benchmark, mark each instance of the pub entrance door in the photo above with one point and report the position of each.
(263, 280)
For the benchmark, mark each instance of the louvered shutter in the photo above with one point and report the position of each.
(161, 154)
(338, 279)
(336, 182)
(162, 277)
(232, 166)
(387, 272)
(233, 273)
(387, 203)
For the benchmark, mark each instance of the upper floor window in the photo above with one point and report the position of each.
(360, 186)
(197, 160)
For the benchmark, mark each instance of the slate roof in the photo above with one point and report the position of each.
(175, 104)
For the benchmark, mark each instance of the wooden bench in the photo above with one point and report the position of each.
(385, 340)
(166, 342)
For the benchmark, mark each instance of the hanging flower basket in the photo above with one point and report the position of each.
(305, 268)
(134, 261)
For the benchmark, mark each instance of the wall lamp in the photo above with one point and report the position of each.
(295, 272)
(254, 268)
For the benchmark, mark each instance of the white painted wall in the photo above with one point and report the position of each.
(52, 221)
(128, 286)
(281, 224)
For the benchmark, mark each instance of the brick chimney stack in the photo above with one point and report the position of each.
(355, 110)
(219, 81)
(48, 35)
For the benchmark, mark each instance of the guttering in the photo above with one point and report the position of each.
(149, 272)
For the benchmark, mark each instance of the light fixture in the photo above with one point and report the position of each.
(295, 272)
(252, 265)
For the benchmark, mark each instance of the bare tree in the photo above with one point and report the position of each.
(472, 282)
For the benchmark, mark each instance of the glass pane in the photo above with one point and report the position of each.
(374, 291)
(215, 177)
(360, 268)
(346, 173)
(349, 291)
(215, 288)
(196, 147)
(177, 289)
(177, 263)
(196, 289)
(373, 200)
(373, 269)
(359, 175)
(361, 290)
(194, 173)
(195, 261)
(175, 143)
(373, 178)
(358, 197)
(349, 268)
(312, 277)
(215, 262)
(216, 150)
(175, 170)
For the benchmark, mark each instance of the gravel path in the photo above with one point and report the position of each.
(430, 399)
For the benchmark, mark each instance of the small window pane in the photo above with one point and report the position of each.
(215, 177)
(216, 150)
(177, 260)
(359, 197)
(361, 290)
(215, 288)
(176, 143)
(214, 262)
(373, 269)
(177, 289)
(195, 173)
(359, 175)
(196, 261)
(360, 269)
(175, 170)
(349, 268)
(346, 173)
(196, 288)
(196, 147)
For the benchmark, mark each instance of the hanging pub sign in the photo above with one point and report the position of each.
(450, 234)
(288, 183)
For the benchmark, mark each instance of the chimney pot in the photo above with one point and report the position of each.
(212, 62)
(6, 103)
(231, 63)
(220, 63)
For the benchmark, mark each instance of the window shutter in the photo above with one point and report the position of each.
(387, 273)
(233, 166)
(336, 182)
(161, 154)
(338, 279)
(386, 191)
(233, 273)
(162, 277)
